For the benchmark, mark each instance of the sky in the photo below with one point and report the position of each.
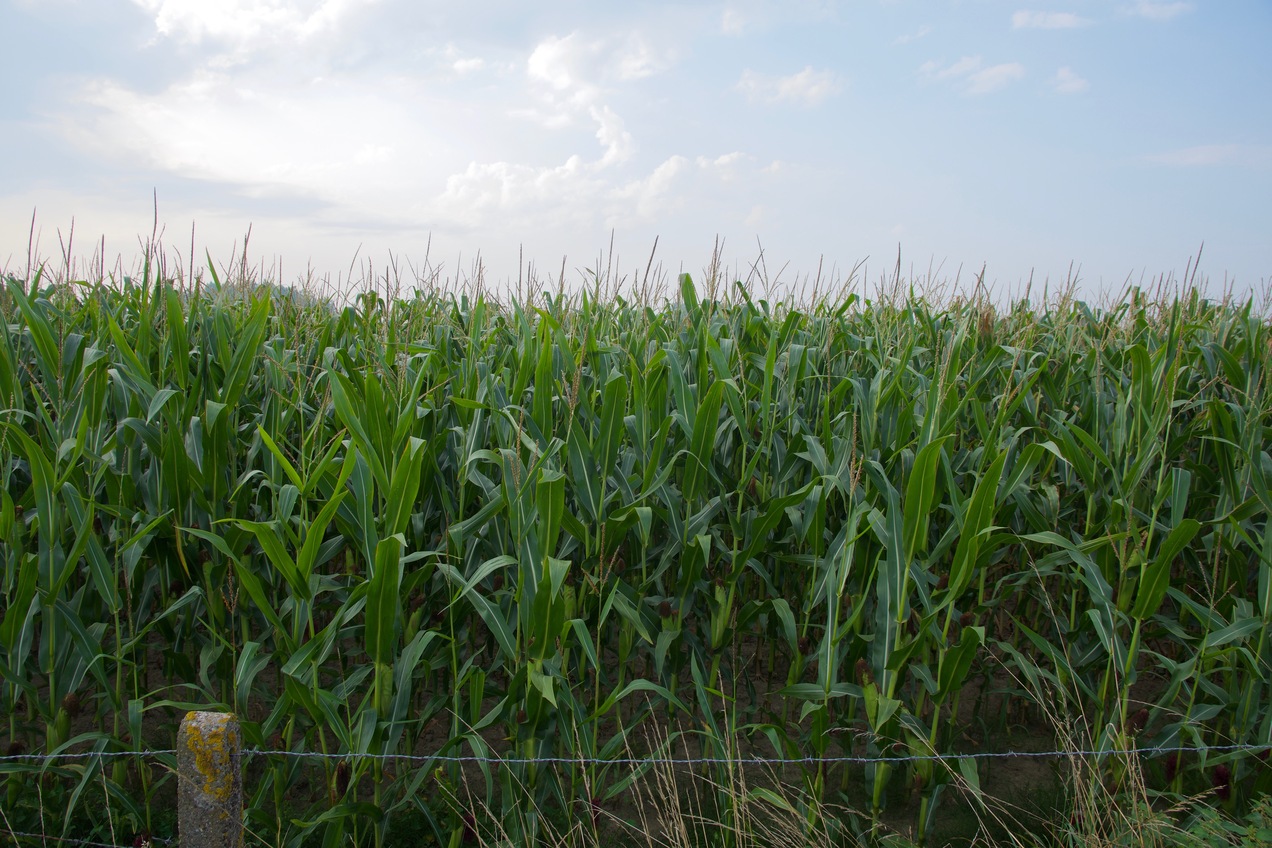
(1102, 141)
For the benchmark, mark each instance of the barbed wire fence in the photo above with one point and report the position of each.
(1147, 750)
(583, 761)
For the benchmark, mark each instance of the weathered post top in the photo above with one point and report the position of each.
(210, 796)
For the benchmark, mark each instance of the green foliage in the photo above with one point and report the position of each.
(446, 526)
(1212, 829)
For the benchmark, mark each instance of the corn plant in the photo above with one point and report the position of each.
(563, 525)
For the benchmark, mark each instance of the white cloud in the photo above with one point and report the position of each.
(913, 36)
(487, 189)
(570, 194)
(578, 67)
(575, 73)
(963, 66)
(1206, 155)
(675, 182)
(562, 63)
(649, 197)
(1066, 81)
(808, 87)
(260, 133)
(732, 22)
(1047, 20)
(1159, 10)
(994, 78)
(637, 59)
(613, 136)
(452, 62)
(468, 65)
(972, 77)
(725, 166)
(246, 23)
(267, 137)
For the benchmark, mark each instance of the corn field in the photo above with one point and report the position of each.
(591, 528)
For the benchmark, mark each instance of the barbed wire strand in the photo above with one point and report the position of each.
(774, 761)
(44, 837)
(1151, 750)
(88, 755)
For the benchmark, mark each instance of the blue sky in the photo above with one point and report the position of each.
(1114, 136)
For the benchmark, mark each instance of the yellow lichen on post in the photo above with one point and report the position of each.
(210, 797)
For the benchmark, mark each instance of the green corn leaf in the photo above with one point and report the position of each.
(90, 647)
(1155, 575)
(245, 354)
(689, 296)
(969, 768)
(314, 533)
(879, 708)
(543, 684)
(957, 662)
(613, 407)
(461, 530)
(346, 398)
(22, 606)
(250, 664)
(550, 502)
(408, 661)
(587, 477)
(83, 535)
(977, 521)
(99, 568)
(1236, 632)
(489, 613)
(782, 610)
(403, 488)
(1265, 575)
(267, 535)
(42, 337)
(660, 692)
(759, 530)
(548, 611)
(179, 353)
(249, 580)
(383, 602)
(702, 444)
(283, 461)
(43, 481)
(919, 494)
(544, 382)
(158, 402)
(579, 626)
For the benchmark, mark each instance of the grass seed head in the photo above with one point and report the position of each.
(1222, 781)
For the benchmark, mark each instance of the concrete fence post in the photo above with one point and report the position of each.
(210, 797)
